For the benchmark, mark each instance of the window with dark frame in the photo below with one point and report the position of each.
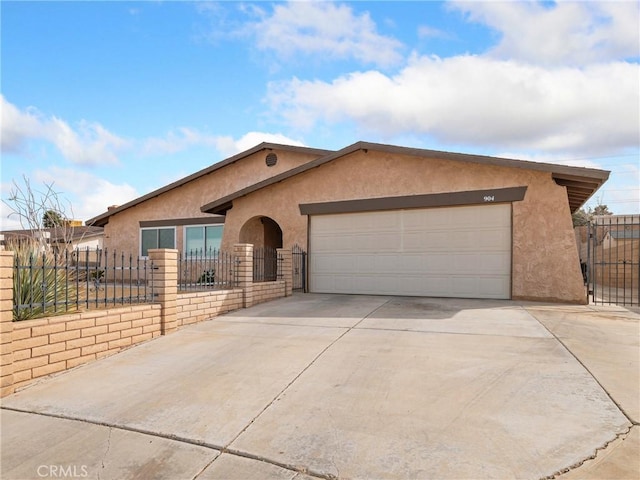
(202, 239)
(156, 238)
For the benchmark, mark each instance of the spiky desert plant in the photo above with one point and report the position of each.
(41, 283)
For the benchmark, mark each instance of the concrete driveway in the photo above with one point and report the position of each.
(337, 386)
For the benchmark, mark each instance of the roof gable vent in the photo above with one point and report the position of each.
(271, 159)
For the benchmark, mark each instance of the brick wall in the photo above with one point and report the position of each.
(265, 291)
(31, 349)
(198, 306)
(6, 323)
(50, 345)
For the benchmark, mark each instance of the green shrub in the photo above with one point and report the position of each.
(41, 284)
(208, 276)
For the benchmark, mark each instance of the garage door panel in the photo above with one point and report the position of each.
(437, 217)
(382, 263)
(492, 239)
(451, 252)
(415, 241)
(323, 264)
(412, 264)
(478, 265)
(381, 242)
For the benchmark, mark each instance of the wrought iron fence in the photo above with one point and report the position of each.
(299, 266)
(210, 269)
(49, 283)
(266, 264)
(612, 271)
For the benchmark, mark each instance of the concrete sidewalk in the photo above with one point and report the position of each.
(325, 386)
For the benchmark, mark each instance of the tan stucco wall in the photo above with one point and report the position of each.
(545, 258)
(123, 230)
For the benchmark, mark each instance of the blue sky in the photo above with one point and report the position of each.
(111, 100)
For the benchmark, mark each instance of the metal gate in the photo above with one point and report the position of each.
(299, 260)
(612, 270)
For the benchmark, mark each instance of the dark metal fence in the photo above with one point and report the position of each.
(266, 264)
(612, 271)
(51, 283)
(299, 261)
(207, 270)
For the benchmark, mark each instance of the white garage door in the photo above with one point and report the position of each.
(460, 252)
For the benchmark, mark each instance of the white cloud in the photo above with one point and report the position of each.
(324, 29)
(89, 194)
(17, 127)
(176, 141)
(229, 146)
(88, 144)
(425, 31)
(92, 144)
(8, 220)
(79, 195)
(566, 33)
(185, 138)
(478, 101)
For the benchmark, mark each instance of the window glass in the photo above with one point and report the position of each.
(149, 240)
(202, 239)
(156, 238)
(214, 237)
(194, 240)
(166, 238)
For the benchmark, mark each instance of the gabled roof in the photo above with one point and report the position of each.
(103, 219)
(581, 182)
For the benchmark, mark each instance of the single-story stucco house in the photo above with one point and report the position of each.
(380, 219)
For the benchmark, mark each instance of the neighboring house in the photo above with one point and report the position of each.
(380, 219)
(72, 236)
(615, 256)
(619, 238)
(620, 230)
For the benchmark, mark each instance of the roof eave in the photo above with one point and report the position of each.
(594, 177)
(103, 219)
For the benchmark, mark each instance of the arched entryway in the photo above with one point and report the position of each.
(266, 235)
(261, 232)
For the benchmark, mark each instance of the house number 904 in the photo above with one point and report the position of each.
(489, 198)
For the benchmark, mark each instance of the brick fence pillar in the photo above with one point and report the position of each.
(286, 273)
(6, 323)
(165, 286)
(244, 271)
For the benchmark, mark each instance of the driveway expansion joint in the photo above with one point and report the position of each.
(106, 453)
(598, 450)
(604, 389)
(126, 428)
(262, 449)
(229, 451)
(294, 468)
(298, 469)
(205, 467)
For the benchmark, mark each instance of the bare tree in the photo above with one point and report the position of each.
(37, 209)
